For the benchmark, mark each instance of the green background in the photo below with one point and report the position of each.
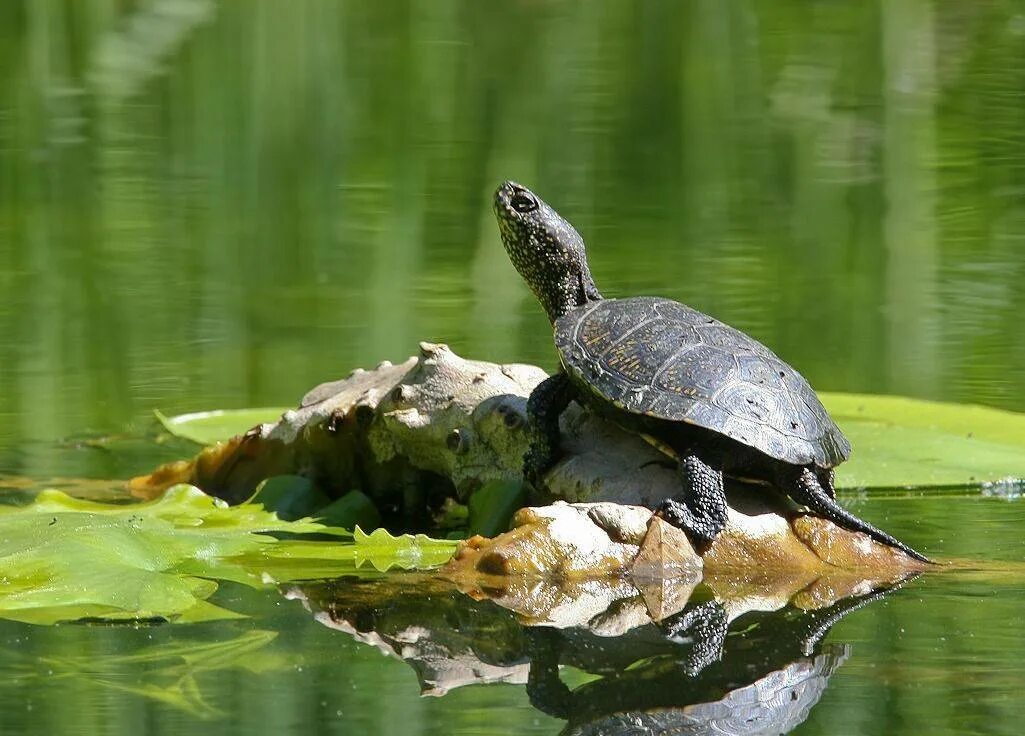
(220, 204)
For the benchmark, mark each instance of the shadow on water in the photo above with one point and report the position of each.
(710, 663)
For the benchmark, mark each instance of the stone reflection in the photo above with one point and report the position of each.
(687, 656)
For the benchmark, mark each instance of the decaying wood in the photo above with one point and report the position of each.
(439, 426)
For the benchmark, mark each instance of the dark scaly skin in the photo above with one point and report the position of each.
(547, 401)
(723, 401)
(706, 625)
(702, 508)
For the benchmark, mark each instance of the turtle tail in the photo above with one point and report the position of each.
(808, 491)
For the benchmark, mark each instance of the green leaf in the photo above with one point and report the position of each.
(493, 505)
(354, 509)
(409, 552)
(291, 497)
(209, 427)
(911, 443)
(65, 559)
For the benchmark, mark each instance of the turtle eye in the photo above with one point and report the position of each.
(523, 202)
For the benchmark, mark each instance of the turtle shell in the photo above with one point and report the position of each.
(660, 358)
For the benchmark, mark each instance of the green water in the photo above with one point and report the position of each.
(209, 204)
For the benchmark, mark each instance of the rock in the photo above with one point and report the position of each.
(438, 426)
(665, 552)
(572, 542)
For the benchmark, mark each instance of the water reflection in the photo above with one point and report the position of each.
(666, 657)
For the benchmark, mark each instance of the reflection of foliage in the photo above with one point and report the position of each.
(129, 56)
(70, 559)
(168, 672)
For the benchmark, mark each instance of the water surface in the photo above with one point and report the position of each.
(220, 204)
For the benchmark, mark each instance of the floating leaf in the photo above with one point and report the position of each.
(69, 559)
(302, 561)
(208, 427)
(902, 442)
(409, 551)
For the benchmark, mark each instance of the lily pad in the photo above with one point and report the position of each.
(409, 552)
(67, 559)
(208, 427)
(912, 443)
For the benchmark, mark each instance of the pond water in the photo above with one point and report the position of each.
(218, 205)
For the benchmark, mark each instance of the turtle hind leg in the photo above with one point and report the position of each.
(827, 479)
(546, 403)
(701, 510)
(804, 487)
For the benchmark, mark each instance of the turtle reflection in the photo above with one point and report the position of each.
(761, 675)
(716, 664)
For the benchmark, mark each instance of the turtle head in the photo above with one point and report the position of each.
(546, 250)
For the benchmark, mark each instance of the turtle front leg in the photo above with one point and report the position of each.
(706, 626)
(546, 403)
(701, 510)
(545, 688)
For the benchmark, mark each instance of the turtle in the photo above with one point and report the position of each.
(715, 399)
